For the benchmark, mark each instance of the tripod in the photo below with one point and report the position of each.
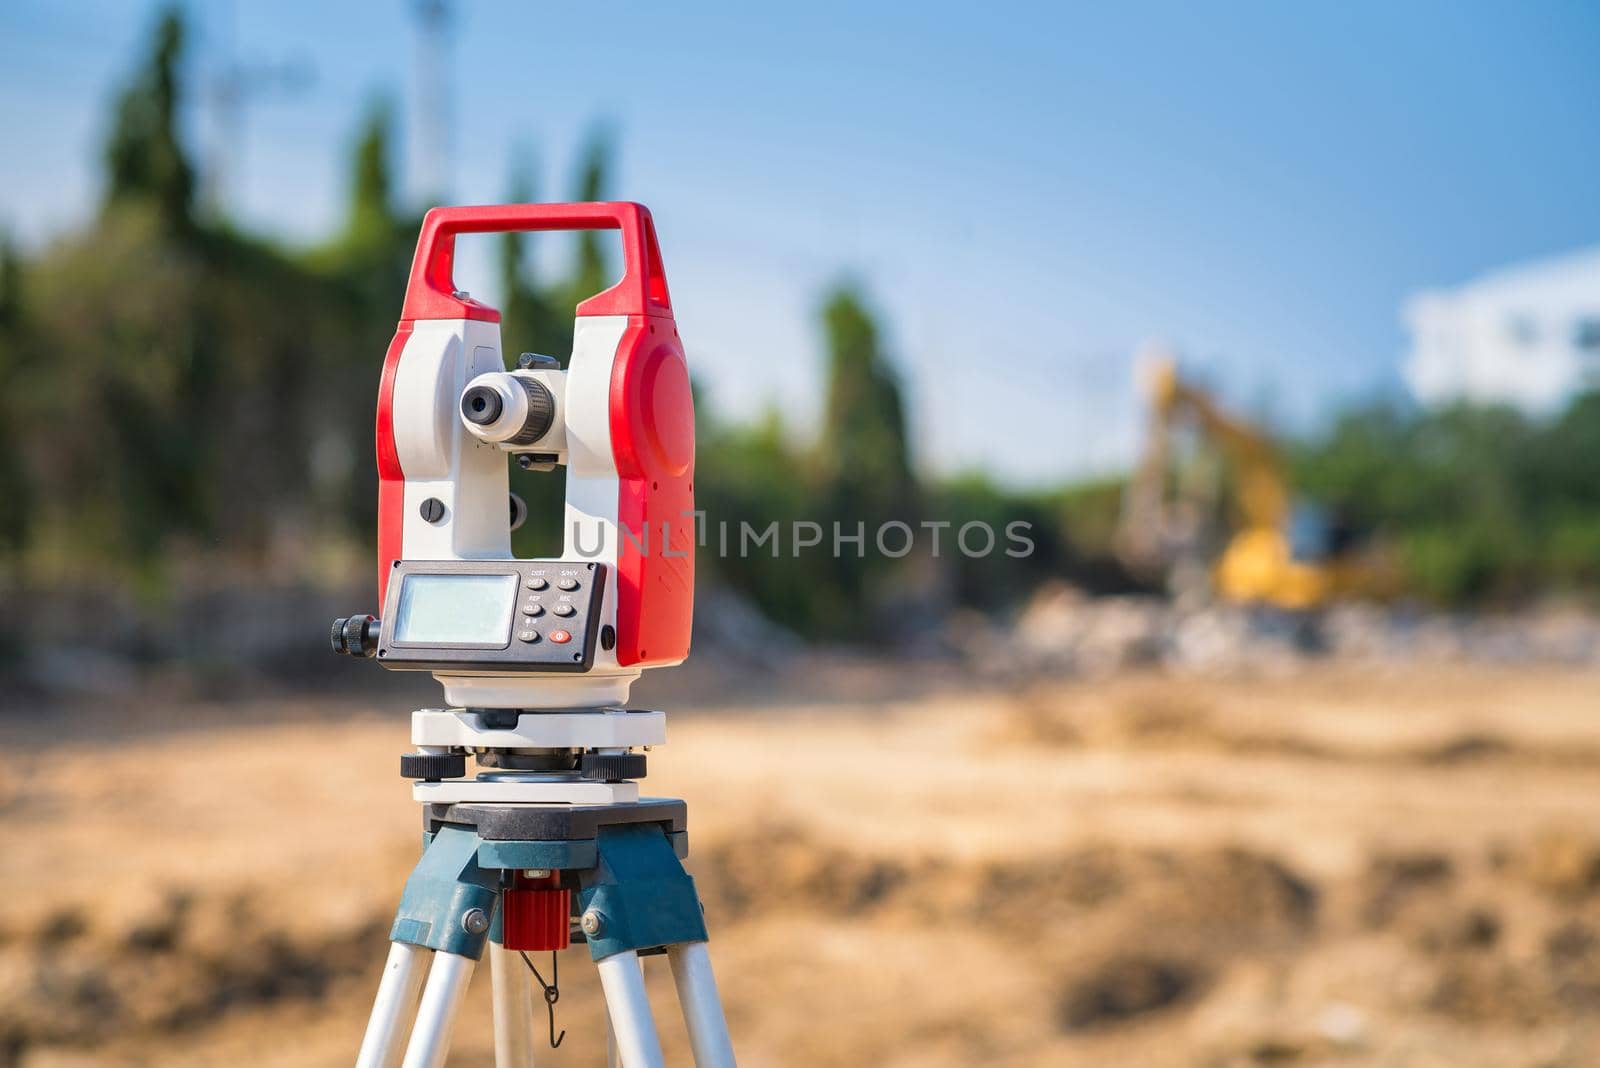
(510, 877)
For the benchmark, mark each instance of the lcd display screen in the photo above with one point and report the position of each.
(456, 610)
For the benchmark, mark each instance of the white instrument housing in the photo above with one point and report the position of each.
(467, 474)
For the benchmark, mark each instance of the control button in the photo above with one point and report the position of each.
(567, 584)
(531, 636)
(533, 608)
(536, 583)
(560, 637)
(564, 610)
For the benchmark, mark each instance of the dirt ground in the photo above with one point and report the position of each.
(1340, 866)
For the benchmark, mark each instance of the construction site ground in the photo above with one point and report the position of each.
(1337, 864)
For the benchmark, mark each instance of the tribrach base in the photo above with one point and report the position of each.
(622, 863)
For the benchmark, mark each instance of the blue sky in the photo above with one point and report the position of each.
(1027, 191)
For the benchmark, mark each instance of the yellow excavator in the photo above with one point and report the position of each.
(1278, 552)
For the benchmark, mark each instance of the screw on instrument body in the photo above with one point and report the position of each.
(593, 922)
(475, 921)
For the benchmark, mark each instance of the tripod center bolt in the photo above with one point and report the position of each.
(475, 921)
(593, 923)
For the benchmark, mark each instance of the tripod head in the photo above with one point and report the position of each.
(503, 633)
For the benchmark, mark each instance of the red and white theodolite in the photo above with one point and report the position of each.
(536, 657)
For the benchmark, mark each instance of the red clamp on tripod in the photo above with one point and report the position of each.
(537, 913)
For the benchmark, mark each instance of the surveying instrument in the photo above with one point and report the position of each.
(549, 841)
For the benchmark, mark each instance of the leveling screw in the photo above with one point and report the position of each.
(475, 921)
(593, 922)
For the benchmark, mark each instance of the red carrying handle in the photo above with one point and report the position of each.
(432, 294)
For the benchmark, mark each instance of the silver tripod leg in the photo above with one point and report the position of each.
(628, 1006)
(391, 1010)
(612, 1060)
(436, 1017)
(613, 1057)
(702, 1007)
(513, 1008)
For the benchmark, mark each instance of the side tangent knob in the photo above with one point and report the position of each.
(356, 635)
(432, 767)
(611, 767)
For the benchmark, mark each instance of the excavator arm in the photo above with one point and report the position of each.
(1256, 565)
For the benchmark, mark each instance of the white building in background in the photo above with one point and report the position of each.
(1527, 336)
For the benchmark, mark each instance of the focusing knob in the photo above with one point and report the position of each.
(611, 767)
(432, 767)
(541, 412)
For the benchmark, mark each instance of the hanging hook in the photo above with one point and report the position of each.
(552, 993)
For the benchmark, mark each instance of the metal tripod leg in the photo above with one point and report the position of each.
(613, 1055)
(513, 1008)
(436, 1017)
(628, 1006)
(702, 1007)
(392, 1009)
(613, 1058)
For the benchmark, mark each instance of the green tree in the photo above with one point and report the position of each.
(211, 366)
(1481, 503)
(360, 279)
(371, 256)
(864, 456)
(16, 490)
(370, 222)
(145, 160)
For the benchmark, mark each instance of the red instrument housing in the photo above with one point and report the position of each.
(651, 411)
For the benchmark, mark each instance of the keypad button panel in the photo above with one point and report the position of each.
(553, 598)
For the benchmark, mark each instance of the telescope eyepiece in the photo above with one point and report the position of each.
(481, 405)
(508, 408)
